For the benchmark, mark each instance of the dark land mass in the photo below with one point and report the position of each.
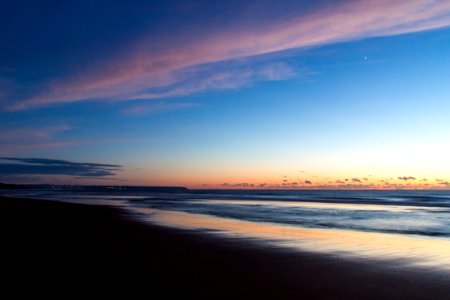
(60, 249)
(98, 188)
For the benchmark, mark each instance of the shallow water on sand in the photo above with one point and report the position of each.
(407, 250)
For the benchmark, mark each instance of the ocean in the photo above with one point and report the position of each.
(411, 227)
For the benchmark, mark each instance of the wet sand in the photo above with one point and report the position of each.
(48, 245)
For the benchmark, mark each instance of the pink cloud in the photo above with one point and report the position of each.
(22, 139)
(157, 107)
(145, 67)
(34, 134)
(19, 141)
(219, 80)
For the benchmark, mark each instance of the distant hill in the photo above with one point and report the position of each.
(154, 189)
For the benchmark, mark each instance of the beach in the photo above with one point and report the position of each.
(78, 247)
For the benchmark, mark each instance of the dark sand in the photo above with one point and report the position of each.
(48, 245)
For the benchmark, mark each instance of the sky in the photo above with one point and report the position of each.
(226, 94)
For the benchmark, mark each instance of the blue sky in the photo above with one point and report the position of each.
(199, 94)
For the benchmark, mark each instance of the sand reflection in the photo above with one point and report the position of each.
(412, 250)
(319, 205)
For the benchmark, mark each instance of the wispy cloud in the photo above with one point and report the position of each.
(28, 134)
(145, 66)
(151, 108)
(41, 166)
(15, 139)
(199, 79)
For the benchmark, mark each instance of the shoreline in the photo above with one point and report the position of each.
(78, 245)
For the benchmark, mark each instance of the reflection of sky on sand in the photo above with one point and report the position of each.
(346, 206)
(412, 250)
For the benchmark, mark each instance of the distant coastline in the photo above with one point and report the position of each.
(155, 189)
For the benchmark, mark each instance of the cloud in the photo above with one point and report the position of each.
(145, 66)
(41, 166)
(15, 140)
(20, 140)
(308, 182)
(151, 108)
(199, 79)
(356, 180)
(406, 178)
(243, 184)
(35, 134)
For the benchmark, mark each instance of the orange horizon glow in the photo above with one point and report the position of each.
(307, 182)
